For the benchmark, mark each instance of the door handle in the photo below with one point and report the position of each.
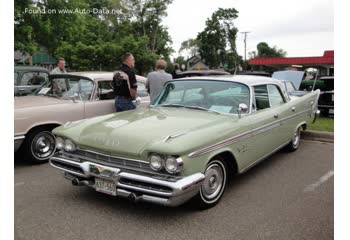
(275, 116)
(293, 109)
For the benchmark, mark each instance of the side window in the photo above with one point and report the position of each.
(105, 90)
(275, 96)
(34, 78)
(27, 78)
(261, 97)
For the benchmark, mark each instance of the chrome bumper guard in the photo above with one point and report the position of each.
(135, 186)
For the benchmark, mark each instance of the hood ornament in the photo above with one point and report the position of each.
(173, 136)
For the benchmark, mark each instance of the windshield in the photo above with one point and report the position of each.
(67, 87)
(217, 96)
(290, 87)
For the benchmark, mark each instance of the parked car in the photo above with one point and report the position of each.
(184, 146)
(194, 73)
(63, 98)
(326, 101)
(326, 86)
(27, 79)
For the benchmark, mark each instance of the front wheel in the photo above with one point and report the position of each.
(39, 145)
(213, 186)
(295, 142)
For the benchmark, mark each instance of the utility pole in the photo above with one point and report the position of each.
(245, 45)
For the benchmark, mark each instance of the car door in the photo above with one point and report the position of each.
(102, 101)
(263, 137)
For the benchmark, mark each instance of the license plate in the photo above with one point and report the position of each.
(105, 186)
(331, 111)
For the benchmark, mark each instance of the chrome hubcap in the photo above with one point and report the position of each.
(296, 138)
(213, 183)
(43, 145)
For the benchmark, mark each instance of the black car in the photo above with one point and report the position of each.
(27, 79)
(326, 100)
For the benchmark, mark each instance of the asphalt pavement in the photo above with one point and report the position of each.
(287, 196)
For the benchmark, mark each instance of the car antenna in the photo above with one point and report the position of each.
(313, 87)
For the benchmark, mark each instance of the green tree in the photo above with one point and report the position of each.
(190, 45)
(217, 43)
(264, 50)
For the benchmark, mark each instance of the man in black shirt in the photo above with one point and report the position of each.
(125, 84)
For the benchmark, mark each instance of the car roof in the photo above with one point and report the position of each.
(249, 80)
(204, 72)
(30, 68)
(97, 75)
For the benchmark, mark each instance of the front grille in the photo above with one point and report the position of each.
(101, 158)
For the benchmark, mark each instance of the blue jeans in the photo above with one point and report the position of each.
(123, 104)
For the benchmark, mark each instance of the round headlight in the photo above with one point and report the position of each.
(156, 162)
(69, 146)
(173, 165)
(59, 143)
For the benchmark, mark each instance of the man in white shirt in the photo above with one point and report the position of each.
(157, 79)
(61, 63)
(59, 84)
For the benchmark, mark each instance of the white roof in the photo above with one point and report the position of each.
(249, 80)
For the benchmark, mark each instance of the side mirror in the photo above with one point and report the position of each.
(242, 108)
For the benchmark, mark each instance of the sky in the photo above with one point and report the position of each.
(300, 27)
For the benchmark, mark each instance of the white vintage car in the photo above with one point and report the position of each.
(65, 97)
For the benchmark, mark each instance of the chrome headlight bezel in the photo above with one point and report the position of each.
(59, 143)
(69, 145)
(156, 162)
(173, 164)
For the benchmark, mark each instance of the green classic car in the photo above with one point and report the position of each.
(187, 142)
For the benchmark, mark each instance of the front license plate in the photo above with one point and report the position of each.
(331, 111)
(105, 186)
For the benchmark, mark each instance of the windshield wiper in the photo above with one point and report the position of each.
(190, 107)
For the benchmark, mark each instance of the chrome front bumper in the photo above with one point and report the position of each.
(134, 185)
(18, 142)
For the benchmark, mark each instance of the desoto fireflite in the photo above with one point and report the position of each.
(187, 142)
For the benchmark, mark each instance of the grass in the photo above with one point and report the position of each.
(322, 124)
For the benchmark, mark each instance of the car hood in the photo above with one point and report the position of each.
(152, 129)
(36, 101)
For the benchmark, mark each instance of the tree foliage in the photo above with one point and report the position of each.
(264, 50)
(95, 40)
(217, 42)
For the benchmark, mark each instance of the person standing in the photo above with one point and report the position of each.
(157, 79)
(61, 63)
(59, 84)
(176, 71)
(125, 84)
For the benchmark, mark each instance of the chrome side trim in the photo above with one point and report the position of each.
(246, 135)
(20, 137)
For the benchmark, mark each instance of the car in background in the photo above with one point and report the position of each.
(27, 79)
(63, 98)
(326, 86)
(326, 100)
(194, 73)
(196, 133)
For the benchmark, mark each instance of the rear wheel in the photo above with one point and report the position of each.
(39, 145)
(213, 186)
(295, 142)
